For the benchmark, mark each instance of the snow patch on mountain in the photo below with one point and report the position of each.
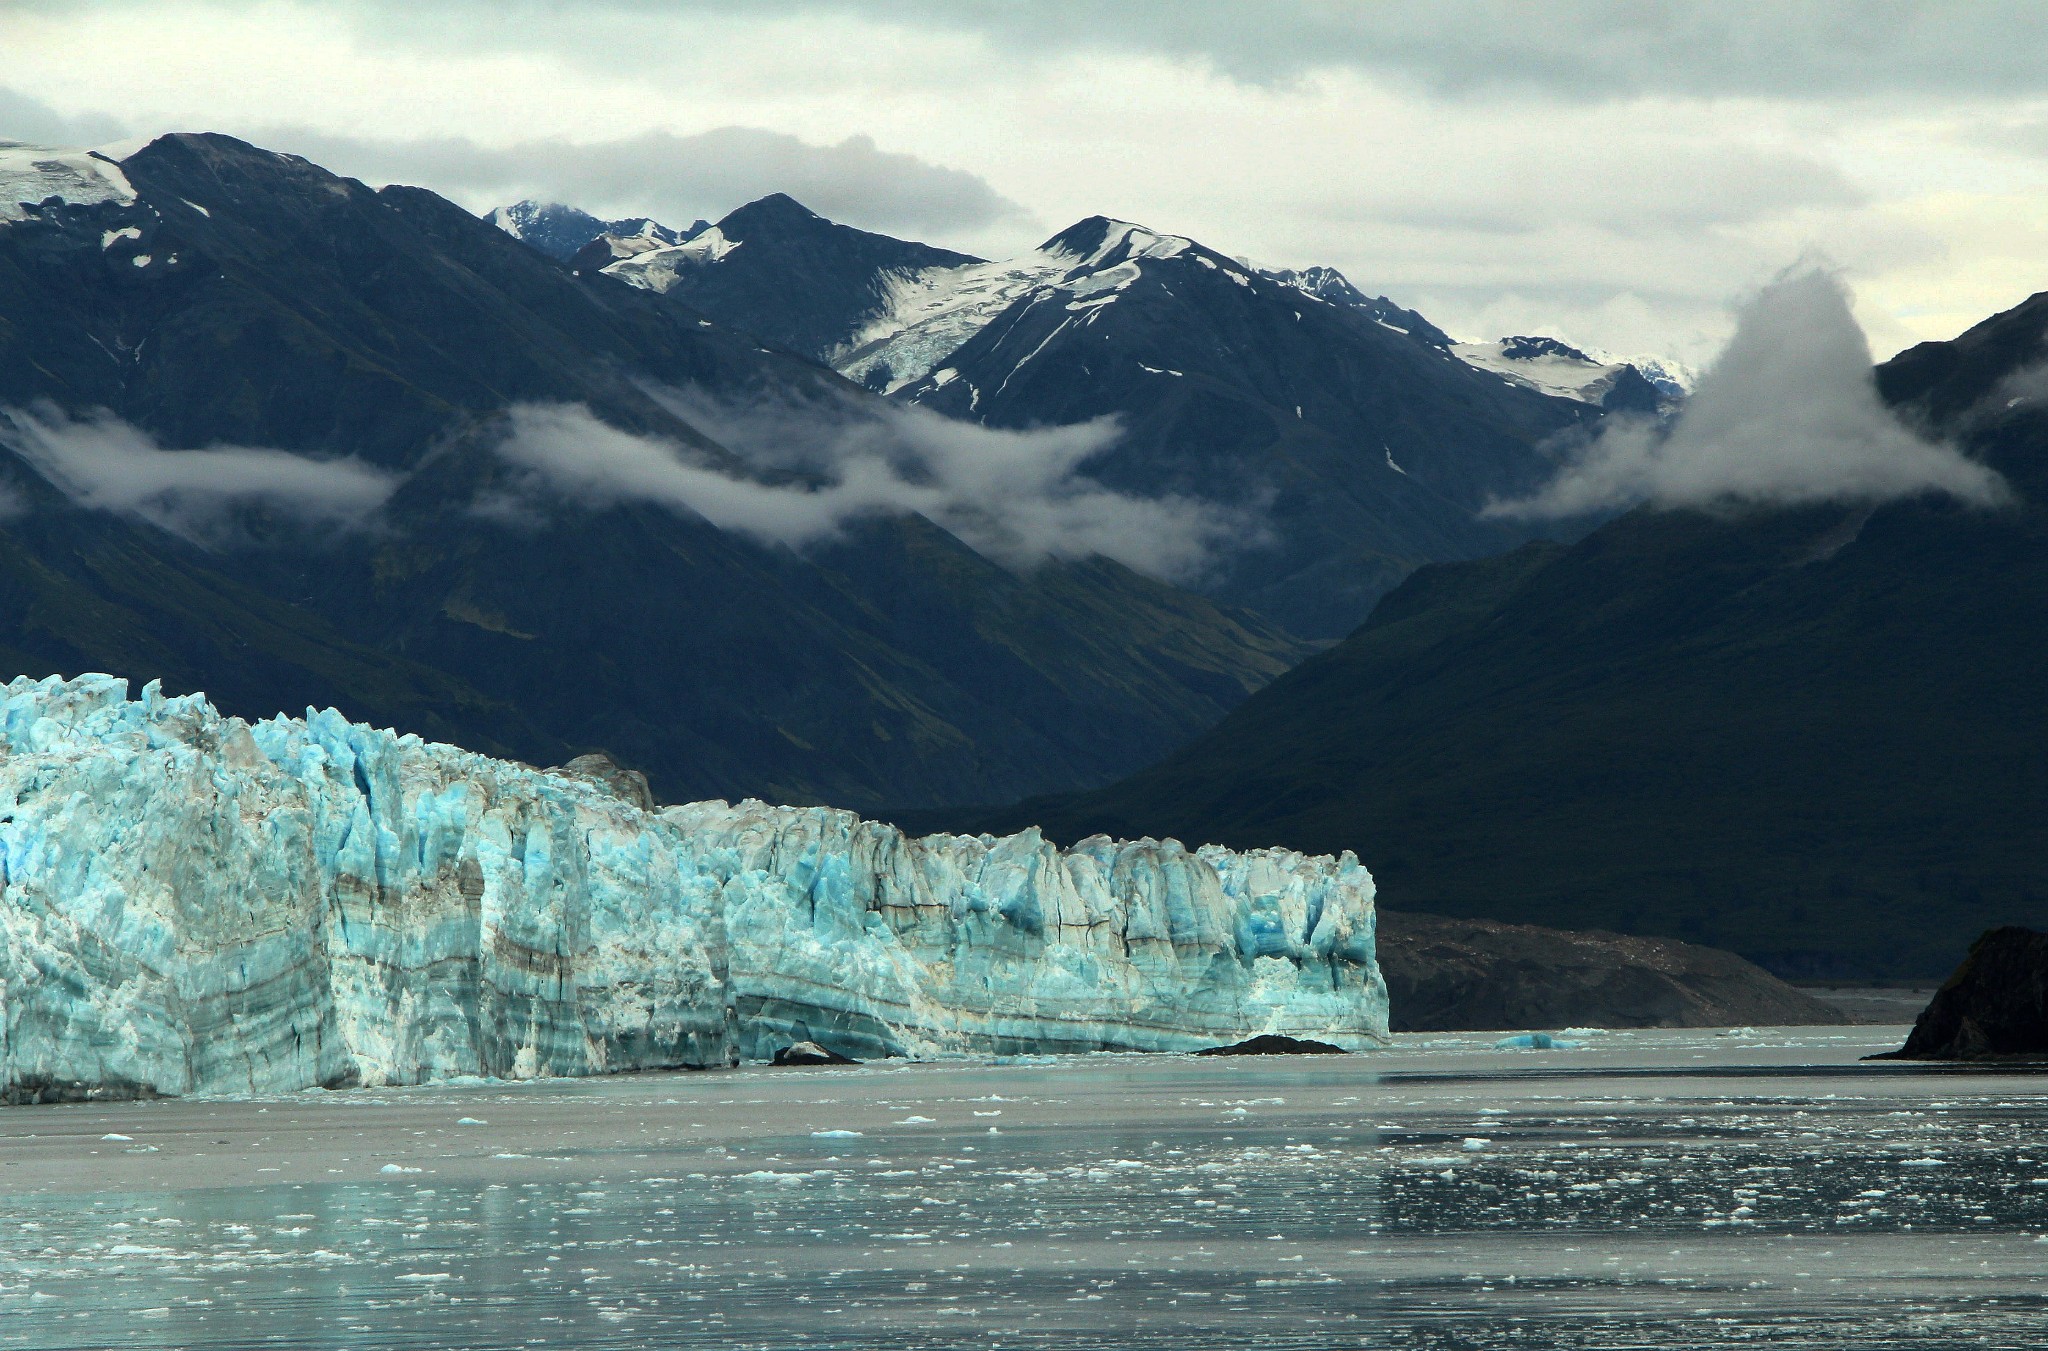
(1332, 287)
(1545, 365)
(657, 269)
(929, 313)
(31, 175)
(1673, 379)
(561, 231)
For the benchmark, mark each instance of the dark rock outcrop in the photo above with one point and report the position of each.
(1995, 1006)
(628, 784)
(810, 1053)
(1271, 1043)
(1447, 975)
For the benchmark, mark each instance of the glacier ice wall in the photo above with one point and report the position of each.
(192, 903)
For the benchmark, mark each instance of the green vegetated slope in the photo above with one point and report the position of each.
(1817, 737)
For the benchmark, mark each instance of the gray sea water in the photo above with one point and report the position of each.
(1658, 1189)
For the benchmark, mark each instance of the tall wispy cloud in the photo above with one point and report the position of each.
(102, 462)
(1788, 414)
(1018, 497)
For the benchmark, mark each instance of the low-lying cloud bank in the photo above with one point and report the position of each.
(1789, 414)
(1017, 497)
(803, 475)
(102, 462)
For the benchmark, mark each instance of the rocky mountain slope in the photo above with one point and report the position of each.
(1808, 734)
(1351, 437)
(562, 231)
(1447, 975)
(263, 437)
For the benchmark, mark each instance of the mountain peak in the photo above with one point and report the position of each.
(778, 210)
(563, 232)
(1093, 235)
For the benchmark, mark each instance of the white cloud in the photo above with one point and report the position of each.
(101, 462)
(804, 474)
(1017, 497)
(1788, 414)
(37, 123)
(673, 178)
(1615, 169)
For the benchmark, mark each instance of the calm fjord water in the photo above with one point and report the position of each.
(1680, 1189)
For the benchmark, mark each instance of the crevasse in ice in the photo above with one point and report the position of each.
(192, 903)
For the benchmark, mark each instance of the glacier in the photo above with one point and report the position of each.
(193, 903)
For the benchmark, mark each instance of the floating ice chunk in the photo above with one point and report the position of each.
(399, 1168)
(470, 1121)
(915, 1121)
(111, 1136)
(1535, 1041)
(835, 1135)
(1475, 1143)
(778, 1179)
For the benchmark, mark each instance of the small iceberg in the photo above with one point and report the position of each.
(1536, 1041)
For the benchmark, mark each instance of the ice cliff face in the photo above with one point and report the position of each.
(191, 903)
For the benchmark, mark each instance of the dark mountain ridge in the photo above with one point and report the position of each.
(1812, 736)
(780, 272)
(248, 299)
(1362, 445)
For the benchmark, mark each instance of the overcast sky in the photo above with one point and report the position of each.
(1622, 173)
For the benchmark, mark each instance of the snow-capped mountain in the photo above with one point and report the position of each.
(1549, 366)
(256, 433)
(932, 313)
(1674, 379)
(1330, 285)
(561, 231)
(777, 270)
(1351, 441)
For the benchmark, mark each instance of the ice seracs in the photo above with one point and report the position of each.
(193, 903)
